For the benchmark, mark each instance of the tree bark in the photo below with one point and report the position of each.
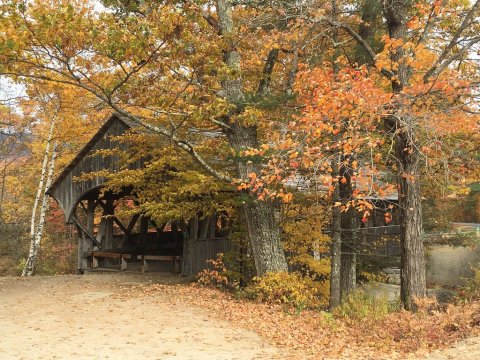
(32, 253)
(413, 283)
(348, 278)
(336, 245)
(370, 14)
(29, 268)
(190, 235)
(261, 217)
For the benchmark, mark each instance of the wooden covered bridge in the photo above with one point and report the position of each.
(104, 240)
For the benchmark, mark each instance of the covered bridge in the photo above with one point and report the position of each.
(104, 240)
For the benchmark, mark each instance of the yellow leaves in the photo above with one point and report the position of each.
(288, 288)
(285, 197)
(251, 116)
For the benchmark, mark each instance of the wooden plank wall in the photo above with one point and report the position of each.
(68, 192)
(206, 249)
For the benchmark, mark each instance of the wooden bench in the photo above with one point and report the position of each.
(146, 258)
(110, 255)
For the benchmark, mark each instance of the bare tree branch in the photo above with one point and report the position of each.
(445, 55)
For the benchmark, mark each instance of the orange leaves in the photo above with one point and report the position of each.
(413, 23)
(335, 101)
(306, 334)
(409, 177)
(266, 186)
(387, 217)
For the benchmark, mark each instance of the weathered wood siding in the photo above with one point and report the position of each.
(207, 249)
(68, 191)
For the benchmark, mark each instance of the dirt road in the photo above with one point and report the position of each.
(93, 317)
(76, 317)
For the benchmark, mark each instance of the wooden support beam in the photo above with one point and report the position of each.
(83, 206)
(132, 223)
(189, 247)
(213, 225)
(86, 232)
(101, 232)
(204, 227)
(143, 229)
(121, 226)
(88, 245)
(80, 251)
(108, 212)
(162, 228)
(91, 205)
(101, 203)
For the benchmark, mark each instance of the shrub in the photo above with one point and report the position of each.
(358, 305)
(57, 256)
(289, 288)
(214, 274)
(471, 289)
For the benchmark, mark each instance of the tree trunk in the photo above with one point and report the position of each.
(32, 253)
(261, 217)
(264, 232)
(336, 245)
(348, 278)
(370, 14)
(413, 283)
(29, 268)
(190, 235)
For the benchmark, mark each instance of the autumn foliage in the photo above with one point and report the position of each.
(313, 334)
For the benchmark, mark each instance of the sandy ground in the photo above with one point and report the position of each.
(79, 317)
(76, 317)
(465, 350)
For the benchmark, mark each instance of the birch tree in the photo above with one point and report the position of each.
(37, 221)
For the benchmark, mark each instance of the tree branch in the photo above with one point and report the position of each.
(453, 42)
(264, 85)
(361, 41)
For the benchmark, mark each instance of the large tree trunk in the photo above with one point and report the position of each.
(190, 235)
(413, 283)
(261, 217)
(264, 232)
